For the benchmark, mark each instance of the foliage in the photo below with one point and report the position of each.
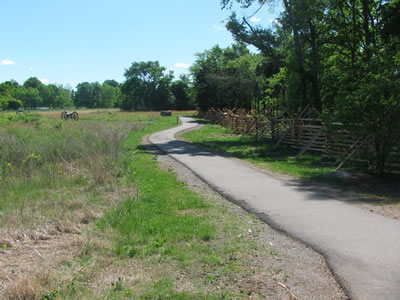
(147, 87)
(33, 94)
(182, 92)
(339, 57)
(226, 77)
(9, 102)
(96, 95)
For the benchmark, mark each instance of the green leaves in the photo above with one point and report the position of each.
(96, 95)
(226, 77)
(147, 87)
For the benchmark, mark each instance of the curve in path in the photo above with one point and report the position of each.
(362, 248)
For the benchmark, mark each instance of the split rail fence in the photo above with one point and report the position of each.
(304, 132)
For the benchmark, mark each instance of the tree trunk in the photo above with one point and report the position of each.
(299, 54)
(367, 33)
(315, 68)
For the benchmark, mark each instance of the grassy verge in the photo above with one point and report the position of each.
(281, 159)
(310, 169)
(103, 221)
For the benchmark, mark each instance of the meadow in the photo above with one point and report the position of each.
(86, 213)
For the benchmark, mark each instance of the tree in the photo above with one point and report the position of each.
(226, 78)
(182, 92)
(83, 97)
(97, 96)
(147, 87)
(63, 97)
(7, 95)
(110, 95)
(294, 44)
(112, 82)
(33, 83)
(367, 96)
(29, 96)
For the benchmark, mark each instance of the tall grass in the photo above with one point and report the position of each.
(52, 144)
(46, 161)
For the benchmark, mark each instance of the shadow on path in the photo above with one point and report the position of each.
(361, 188)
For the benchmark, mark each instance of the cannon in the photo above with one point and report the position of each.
(69, 115)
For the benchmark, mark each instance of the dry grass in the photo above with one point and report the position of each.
(32, 286)
(88, 113)
(48, 173)
(28, 268)
(55, 179)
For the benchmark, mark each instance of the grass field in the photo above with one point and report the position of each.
(262, 153)
(86, 213)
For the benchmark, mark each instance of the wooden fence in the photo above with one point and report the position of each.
(304, 132)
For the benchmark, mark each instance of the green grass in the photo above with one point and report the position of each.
(148, 225)
(262, 153)
(155, 221)
(175, 234)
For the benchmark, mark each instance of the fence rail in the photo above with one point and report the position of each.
(304, 132)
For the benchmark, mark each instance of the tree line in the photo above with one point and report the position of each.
(32, 94)
(147, 87)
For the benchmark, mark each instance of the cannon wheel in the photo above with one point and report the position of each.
(64, 115)
(75, 116)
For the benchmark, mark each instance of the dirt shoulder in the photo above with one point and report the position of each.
(299, 272)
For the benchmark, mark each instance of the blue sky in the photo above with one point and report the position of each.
(71, 41)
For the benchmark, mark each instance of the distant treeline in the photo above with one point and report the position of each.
(32, 94)
(149, 89)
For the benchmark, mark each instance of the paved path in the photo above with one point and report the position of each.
(362, 248)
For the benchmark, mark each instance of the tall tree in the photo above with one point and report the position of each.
(226, 77)
(33, 83)
(302, 19)
(30, 97)
(183, 95)
(110, 94)
(147, 87)
(83, 96)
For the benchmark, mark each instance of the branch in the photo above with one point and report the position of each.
(254, 32)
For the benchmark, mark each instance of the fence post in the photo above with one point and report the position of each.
(273, 129)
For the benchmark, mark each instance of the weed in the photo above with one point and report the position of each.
(273, 252)
(50, 296)
(118, 285)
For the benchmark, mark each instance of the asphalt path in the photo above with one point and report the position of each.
(361, 248)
